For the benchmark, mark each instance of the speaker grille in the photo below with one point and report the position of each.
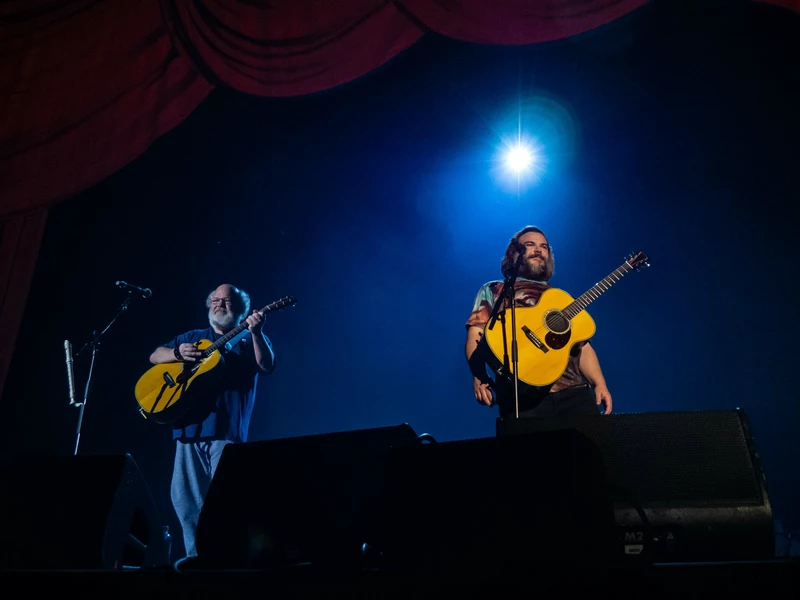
(687, 484)
(686, 458)
(287, 501)
(77, 512)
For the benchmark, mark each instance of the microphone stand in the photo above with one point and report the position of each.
(95, 344)
(509, 293)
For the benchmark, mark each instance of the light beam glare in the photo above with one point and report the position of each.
(520, 158)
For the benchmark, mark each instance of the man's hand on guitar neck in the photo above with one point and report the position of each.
(262, 348)
(255, 322)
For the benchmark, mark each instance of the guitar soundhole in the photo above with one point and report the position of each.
(556, 322)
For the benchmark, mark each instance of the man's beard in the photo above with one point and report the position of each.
(222, 321)
(537, 271)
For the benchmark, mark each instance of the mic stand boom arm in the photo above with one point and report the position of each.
(94, 343)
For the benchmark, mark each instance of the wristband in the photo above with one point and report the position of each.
(177, 354)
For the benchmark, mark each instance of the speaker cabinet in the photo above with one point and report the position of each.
(687, 485)
(292, 501)
(496, 505)
(77, 512)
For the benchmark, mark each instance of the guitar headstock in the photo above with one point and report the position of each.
(638, 261)
(280, 304)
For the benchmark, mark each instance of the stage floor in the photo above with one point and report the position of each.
(758, 579)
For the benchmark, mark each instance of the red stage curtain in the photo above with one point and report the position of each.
(86, 85)
(510, 22)
(20, 238)
(289, 48)
(793, 5)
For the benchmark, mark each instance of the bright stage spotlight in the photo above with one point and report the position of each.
(519, 163)
(519, 158)
(536, 138)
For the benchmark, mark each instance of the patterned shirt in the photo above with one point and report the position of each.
(526, 293)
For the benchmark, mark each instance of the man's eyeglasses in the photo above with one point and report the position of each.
(218, 301)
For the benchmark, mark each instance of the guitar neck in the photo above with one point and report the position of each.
(582, 301)
(220, 343)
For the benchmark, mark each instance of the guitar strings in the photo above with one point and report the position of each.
(587, 297)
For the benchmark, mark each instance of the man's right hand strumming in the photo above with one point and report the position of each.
(189, 352)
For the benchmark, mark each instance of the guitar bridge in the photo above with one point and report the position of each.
(169, 380)
(535, 340)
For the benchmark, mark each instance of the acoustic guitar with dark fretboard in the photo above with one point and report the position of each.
(547, 331)
(167, 391)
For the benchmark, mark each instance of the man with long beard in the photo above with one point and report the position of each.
(570, 394)
(202, 433)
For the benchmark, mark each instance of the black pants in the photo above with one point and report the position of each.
(577, 400)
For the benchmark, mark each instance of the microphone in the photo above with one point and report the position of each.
(70, 374)
(519, 247)
(145, 292)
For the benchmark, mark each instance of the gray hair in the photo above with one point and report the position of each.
(240, 302)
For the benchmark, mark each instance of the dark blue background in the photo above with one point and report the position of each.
(380, 206)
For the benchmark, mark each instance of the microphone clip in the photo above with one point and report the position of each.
(134, 289)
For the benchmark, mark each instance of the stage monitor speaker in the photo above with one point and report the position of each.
(77, 512)
(688, 485)
(307, 500)
(496, 505)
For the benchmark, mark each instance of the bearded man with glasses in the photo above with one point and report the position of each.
(203, 432)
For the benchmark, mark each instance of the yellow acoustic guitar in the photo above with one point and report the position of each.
(547, 331)
(166, 391)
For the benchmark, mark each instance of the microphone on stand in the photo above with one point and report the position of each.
(70, 374)
(145, 292)
(519, 247)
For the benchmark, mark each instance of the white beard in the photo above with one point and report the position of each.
(222, 321)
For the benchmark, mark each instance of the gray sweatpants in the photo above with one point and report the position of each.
(195, 464)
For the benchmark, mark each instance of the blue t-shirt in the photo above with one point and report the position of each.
(228, 418)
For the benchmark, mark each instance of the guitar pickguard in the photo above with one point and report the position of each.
(557, 341)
